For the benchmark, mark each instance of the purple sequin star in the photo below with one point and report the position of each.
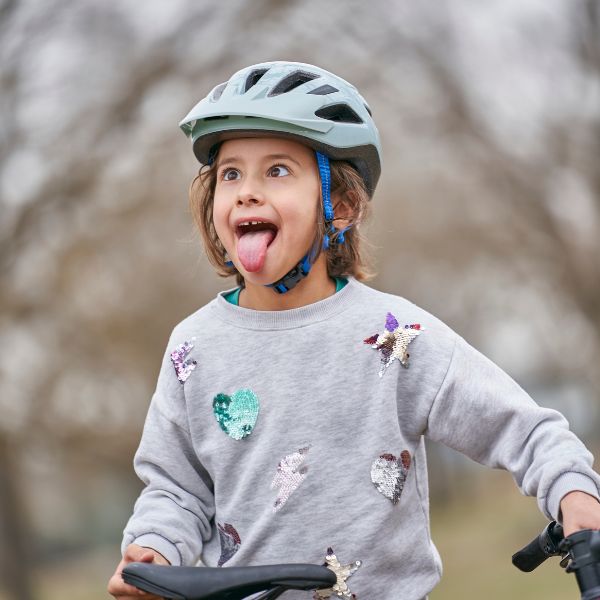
(393, 342)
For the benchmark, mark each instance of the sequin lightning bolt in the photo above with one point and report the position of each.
(289, 476)
(230, 542)
(343, 573)
(183, 367)
(389, 473)
(393, 343)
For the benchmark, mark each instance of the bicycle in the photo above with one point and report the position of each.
(229, 583)
(580, 555)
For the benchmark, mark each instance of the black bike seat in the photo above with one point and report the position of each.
(228, 583)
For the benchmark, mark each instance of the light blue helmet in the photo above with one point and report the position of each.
(292, 100)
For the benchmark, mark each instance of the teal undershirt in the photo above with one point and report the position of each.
(233, 297)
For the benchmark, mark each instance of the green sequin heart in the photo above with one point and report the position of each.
(236, 414)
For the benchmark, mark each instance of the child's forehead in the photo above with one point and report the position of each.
(258, 147)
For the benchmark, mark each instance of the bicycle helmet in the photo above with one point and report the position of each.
(294, 100)
(298, 101)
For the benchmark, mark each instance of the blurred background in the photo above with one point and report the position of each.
(487, 215)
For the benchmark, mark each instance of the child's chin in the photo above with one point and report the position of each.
(263, 277)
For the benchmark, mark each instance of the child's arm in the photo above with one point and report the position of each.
(480, 411)
(134, 553)
(174, 511)
(579, 511)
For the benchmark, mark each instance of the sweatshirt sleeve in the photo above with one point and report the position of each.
(483, 413)
(172, 514)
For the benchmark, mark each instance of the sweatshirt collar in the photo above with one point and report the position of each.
(247, 318)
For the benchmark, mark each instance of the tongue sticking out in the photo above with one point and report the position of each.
(252, 249)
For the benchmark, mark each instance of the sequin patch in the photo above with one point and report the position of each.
(393, 343)
(288, 476)
(343, 573)
(183, 367)
(236, 414)
(230, 542)
(389, 473)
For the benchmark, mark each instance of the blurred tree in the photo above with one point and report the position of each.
(488, 209)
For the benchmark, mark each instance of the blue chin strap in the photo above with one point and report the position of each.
(302, 269)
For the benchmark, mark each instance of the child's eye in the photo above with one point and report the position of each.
(230, 174)
(278, 171)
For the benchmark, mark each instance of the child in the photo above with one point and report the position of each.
(289, 416)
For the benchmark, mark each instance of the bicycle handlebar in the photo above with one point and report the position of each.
(584, 549)
(540, 548)
(580, 551)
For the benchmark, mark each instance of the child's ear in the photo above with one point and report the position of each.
(344, 210)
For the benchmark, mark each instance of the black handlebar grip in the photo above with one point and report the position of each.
(530, 557)
(539, 549)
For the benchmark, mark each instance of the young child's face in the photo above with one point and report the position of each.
(276, 183)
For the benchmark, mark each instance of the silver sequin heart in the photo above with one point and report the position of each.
(389, 473)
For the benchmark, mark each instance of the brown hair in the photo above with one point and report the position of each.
(344, 259)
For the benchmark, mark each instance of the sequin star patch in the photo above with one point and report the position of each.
(230, 542)
(342, 572)
(183, 365)
(393, 343)
(389, 473)
(289, 476)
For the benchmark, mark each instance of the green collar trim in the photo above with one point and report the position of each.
(233, 297)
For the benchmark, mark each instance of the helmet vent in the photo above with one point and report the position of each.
(253, 78)
(368, 110)
(216, 118)
(323, 90)
(218, 92)
(340, 113)
(292, 81)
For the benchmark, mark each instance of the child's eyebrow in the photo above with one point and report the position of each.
(282, 157)
(236, 159)
(228, 161)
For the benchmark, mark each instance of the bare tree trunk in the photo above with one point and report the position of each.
(15, 571)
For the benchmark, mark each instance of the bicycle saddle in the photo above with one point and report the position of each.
(229, 583)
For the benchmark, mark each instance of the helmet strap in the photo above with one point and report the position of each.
(302, 269)
(325, 174)
(294, 276)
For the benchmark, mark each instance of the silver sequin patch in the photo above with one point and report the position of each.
(393, 342)
(389, 473)
(342, 572)
(289, 476)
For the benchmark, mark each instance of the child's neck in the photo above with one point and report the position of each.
(317, 286)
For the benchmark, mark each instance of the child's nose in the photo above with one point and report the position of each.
(249, 197)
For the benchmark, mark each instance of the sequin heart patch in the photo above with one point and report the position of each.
(236, 414)
(230, 542)
(389, 473)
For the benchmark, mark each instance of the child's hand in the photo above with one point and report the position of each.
(134, 553)
(579, 511)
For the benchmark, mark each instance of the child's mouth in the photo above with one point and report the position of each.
(253, 239)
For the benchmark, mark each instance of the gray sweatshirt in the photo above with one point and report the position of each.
(296, 435)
